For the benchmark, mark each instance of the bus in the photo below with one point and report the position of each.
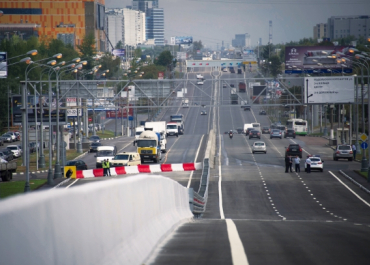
(299, 126)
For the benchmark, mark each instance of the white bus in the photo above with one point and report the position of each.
(299, 126)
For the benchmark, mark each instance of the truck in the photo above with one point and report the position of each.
(234, 96)
(148, 146)
(199, 76)
(177, 117)
(158, 127)
(242, 87)
(185, 103)
(246, 126)
(7, 169)
(138, 131)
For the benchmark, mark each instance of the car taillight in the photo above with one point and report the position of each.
(279, 132)
(319, 163)
(350, 152)
(337, 152)
(287, 149)
(300, 149)
(258, 133)
(250, 133)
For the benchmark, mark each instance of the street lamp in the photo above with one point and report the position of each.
(31, 52)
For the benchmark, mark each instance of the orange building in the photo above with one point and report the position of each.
(67, 20)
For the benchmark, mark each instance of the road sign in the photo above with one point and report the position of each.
(364, 145)
(363, 137)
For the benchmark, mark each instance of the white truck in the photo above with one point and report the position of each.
(158, 127)
(185, 103)
(246, 126)
(138, 131)
(199, 76)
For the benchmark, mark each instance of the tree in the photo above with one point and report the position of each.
(164, 59)
(119, 45)
(87, 47)
(275, 66)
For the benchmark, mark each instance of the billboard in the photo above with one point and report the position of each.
(183, 40)
(3, 65)
(315, 59)
(119, 52)
(258, 89)
(121, 113)
(34, 107)
(329, 89)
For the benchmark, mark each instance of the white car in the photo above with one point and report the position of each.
(259, 146)
(203, 112)
(200, 82)
(316, 163)
(17, 152)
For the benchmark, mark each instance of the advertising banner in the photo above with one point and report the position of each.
(111, 114)
(34, 107)
(3, 65)
(160, 75)
(119, 52)
(330, 89)
(183, 40)
(315, 59)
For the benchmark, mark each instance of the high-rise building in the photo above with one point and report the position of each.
(241, 41)
(115, 28)
(134, 27)
(155, 25)
(319, 31)
(343, 26)
(67, 20)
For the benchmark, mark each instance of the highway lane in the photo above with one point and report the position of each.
(280, 218)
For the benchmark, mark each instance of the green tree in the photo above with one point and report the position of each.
(119, 45)
(275, 65)
(164, 59)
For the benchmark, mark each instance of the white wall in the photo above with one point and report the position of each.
(107, 222)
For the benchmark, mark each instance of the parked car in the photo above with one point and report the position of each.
(343, 151)
(289, 133)
(17, 152)
(7, 154)
(7, 138)
(1, 141)
(294, 150)
(14, 137)
(94, 146)
(80, 164)
(275, 133)
(259, 146)
(265, 129)
(18, 135)
(316, 163)
(254, 134)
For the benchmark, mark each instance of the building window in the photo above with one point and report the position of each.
(22, 11)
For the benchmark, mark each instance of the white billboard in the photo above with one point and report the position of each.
(73, 112)
(3, 65)
(330, 89)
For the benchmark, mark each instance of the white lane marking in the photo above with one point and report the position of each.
(125, 147)
(239, 257)
(72, 183)
(358, 196)
(61, 183)
(219, 185)
(195, 160)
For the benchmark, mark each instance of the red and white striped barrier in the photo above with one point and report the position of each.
(114, 171)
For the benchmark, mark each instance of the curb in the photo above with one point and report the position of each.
(354, 181)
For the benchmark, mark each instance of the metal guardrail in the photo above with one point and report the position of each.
(198, 200)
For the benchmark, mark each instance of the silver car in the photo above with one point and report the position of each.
(259, 146)
(343, 151)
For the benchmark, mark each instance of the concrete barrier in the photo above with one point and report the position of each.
(109, 222)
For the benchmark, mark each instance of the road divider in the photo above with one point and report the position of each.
(110, 222)
(156, 168)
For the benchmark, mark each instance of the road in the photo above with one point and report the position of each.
(257, 213)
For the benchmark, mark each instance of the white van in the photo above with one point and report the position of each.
(256, 126)
(104, 152)
(246, 126)
(126, 159)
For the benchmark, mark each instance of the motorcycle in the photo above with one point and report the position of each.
(231, 135)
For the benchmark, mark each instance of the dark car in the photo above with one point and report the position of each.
(254, 134)
(239, 130)
(289, 133)
(32, 147)
(248, 130)
(265, 129)
(94, 146)
(6, 154)
(262, 112)
(1, 141)
(247, 107)
(232, 85)
(80, 165)
(294, 150)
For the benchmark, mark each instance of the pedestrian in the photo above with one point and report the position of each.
(108, 167)
(354, 149)
(308, 164)
(290, 163)
(297, 160)
(287, 163)
(104, 167)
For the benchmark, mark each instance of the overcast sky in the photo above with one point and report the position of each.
(214, 21)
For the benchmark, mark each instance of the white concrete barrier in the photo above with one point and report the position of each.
(109, 222)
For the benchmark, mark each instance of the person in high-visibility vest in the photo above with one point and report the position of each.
(104, 165)
(107, 164)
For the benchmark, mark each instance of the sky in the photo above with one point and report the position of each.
(214, 21)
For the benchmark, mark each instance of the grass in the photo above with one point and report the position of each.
(17, 187)
(106, 134)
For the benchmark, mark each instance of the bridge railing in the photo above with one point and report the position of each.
(198, 200)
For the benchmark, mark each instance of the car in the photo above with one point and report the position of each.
(248, 130)
(316, 163)
(1, 141)
(6, 154)
(224, 85)
(94, 146)
(275, 133)
(203, 112)
(294, 150)
(232, 85)
(262, 112)
(18, 135)
(343, 151)
(126, 159)
(7, 138)
(17, 152)
(94, 138)
(265, 129)
(259, 146)
(79, 164)
(289, 133)
(254, 134)
(32, 147)
(248, 107)
(200, 82)
(239, 130)
(14, 137)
